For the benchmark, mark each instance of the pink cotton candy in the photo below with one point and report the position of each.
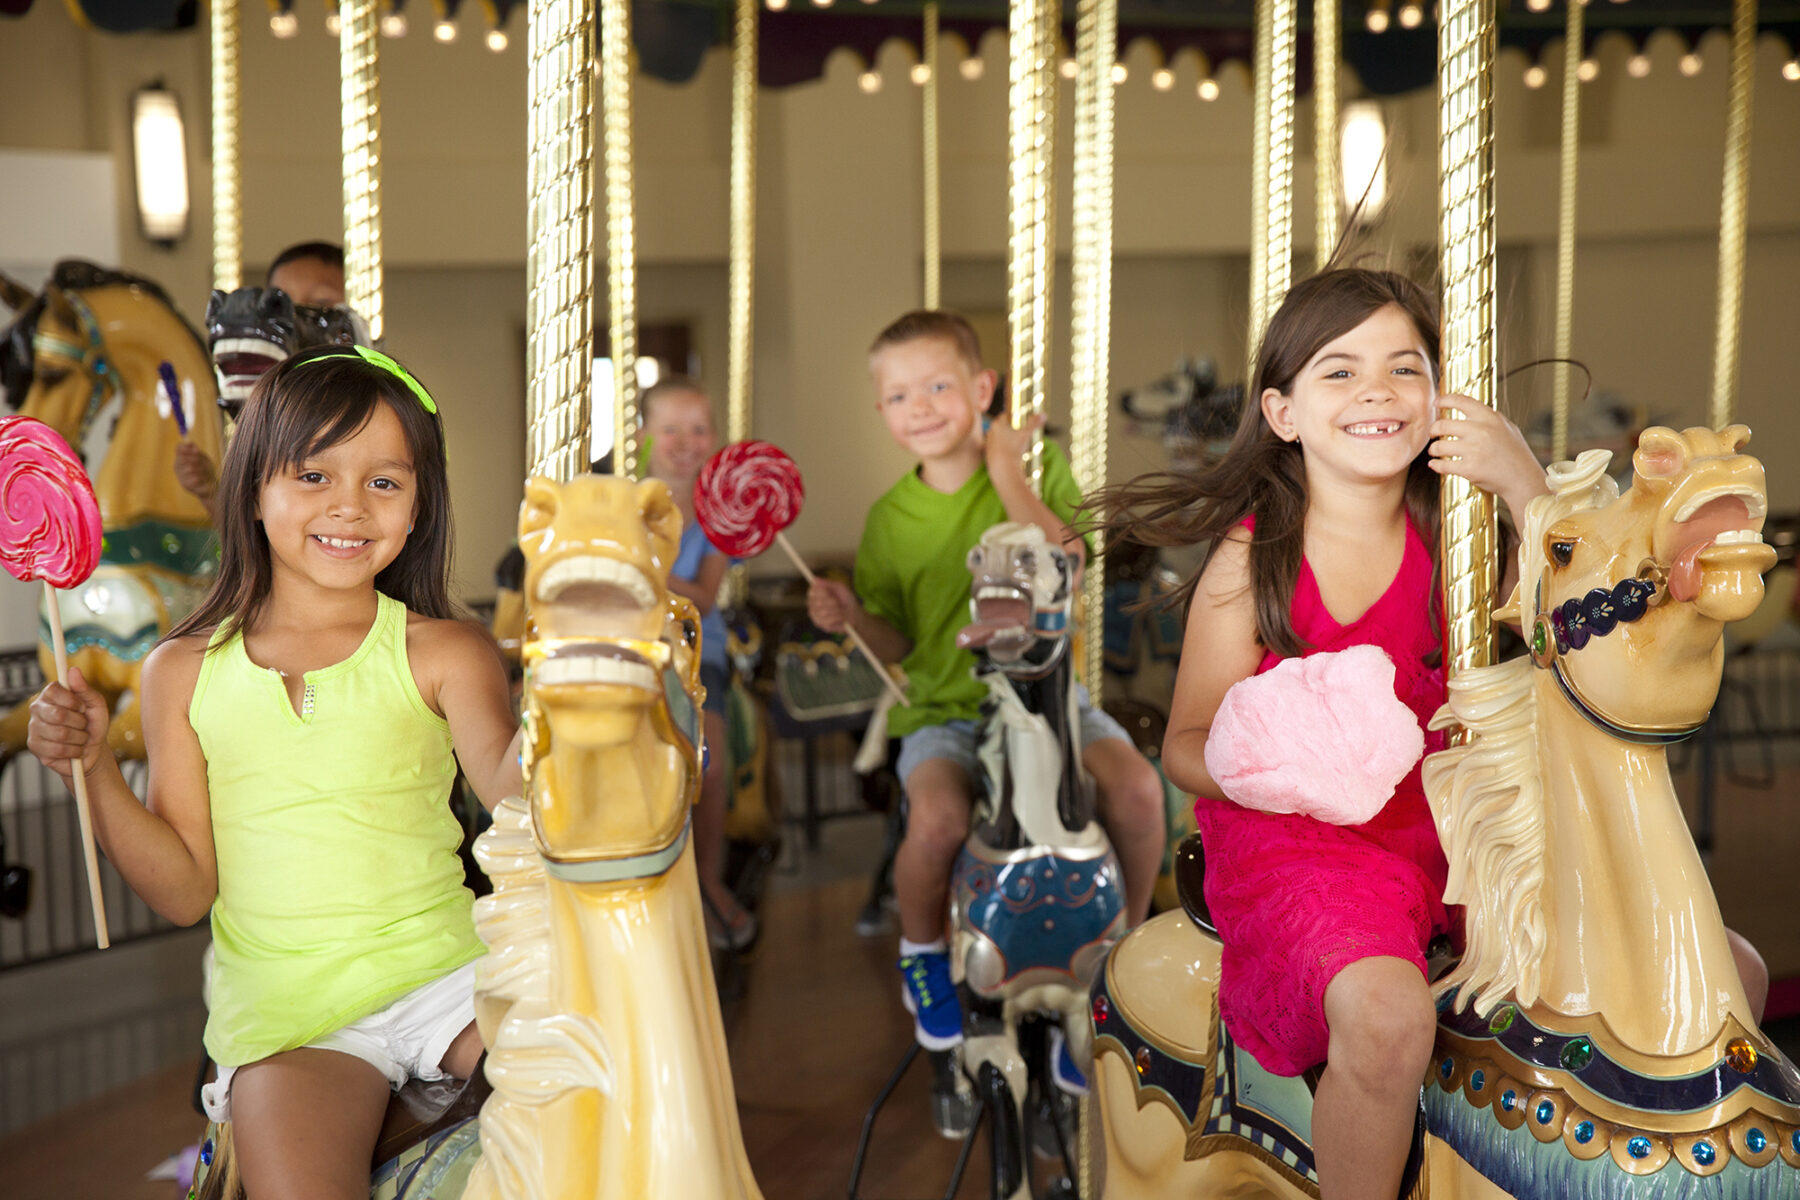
(1323, 736)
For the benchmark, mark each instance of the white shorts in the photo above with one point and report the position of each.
(405, 1040)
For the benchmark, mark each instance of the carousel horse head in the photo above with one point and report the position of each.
(602, 631)
(1019, 601)
(1611, 584)
(251, 329)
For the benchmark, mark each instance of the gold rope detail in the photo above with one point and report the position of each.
(227, 179)
(1090, 270)
(1466, 206)
(1031, 106)
(359, 90)
(743, 220)
(1734, 211)
(1565, 235)
(621, 229)
(1328, 35)
(933, 212)
(559, 269)
(1271, 165)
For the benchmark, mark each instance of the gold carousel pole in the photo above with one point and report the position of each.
(559, 265)
(1734, 211)
(1328, 33)
(1030, 257)
(743, 219)
(621, 229)
(228, 212)
(1090, 269)
(1271, 165)
(359, 91)
(928, 55)
(1565, 234)
(1466, 210)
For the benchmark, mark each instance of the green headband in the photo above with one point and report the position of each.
(377, 358)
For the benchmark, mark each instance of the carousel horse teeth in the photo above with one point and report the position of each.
(596, 668)
(1755, 503)
(1737, 537)
(587, 569)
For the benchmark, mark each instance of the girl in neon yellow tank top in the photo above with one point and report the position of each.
(299, 727)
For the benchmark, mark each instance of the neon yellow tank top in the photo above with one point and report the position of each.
(339, 885)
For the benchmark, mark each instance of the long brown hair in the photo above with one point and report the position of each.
(1259, 475)
(298, 408)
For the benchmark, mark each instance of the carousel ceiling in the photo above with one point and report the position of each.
(798, 35)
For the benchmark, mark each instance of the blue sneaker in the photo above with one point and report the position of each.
(1068, 1076)
(931, 998)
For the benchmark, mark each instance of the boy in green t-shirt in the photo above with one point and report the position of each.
(911, 597)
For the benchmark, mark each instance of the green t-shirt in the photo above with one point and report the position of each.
(912, 571)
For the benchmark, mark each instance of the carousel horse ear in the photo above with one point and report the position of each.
(1510, 610)
(657, 507)
(15, 294)
(538, 509)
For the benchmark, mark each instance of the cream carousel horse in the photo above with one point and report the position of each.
(94, 336)
(1594, 1042)
(606, 1053)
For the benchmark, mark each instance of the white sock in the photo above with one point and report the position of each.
(908, 949)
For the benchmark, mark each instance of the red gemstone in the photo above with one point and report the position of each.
(1102, 1009)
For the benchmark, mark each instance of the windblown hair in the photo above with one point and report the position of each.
(933, 323)
(297, 409)
(1259, 475)
(1487, 795)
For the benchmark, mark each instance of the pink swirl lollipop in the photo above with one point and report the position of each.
(745, 495)
(49, 519)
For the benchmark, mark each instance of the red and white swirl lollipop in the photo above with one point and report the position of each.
(744, 497)
(50, 530)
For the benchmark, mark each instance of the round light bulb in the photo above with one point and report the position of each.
(1690, 64)
(334, 24)
(444, 31)
(970, 69)
(869, 82)
(284, 24)
(1162, 79)
(393, 25)
(1538, 5)
(921, 74)
(1534, 76)
(496, 40)
(1790, 70)
(821, 3)
(775, 5)
(1638, 66)
(1067, 68)
(1377, 20)
(1119, 73)
(1588, 71)
(1410, 16)
(1208, 89)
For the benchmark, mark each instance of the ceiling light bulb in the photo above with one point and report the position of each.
(1534, 76)
(1690, 64)
(1208, 89)
(334, 24)
(921, 74)
(775, 5)
(1162, 79)
(970, 69)
(1410, 16)
(1067, 68)
(1588, 71)
(496, 40)
(1377, 20)
(393, 25)
(1119, 73)
(1638, 66)
(869, 82)
(1790, 70)
(444, 31)
(284, 24)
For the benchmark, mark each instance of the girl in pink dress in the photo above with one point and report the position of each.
(1322, 519)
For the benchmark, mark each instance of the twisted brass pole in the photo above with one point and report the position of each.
(1466, 209)
(228, 209)
(1090, 270)
(1565, 234)
(929, 136)
(359, 90)
(1031, 107)
(559, 266)
(742, 322)
(1328, 34)
(1734, 211)
(621, 228)
(1272, 165)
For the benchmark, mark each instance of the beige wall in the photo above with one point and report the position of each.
(838, 241)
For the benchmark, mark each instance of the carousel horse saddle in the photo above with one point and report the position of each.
(1037, 914)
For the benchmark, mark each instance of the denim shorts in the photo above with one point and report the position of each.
(958, 741)
(717, 682)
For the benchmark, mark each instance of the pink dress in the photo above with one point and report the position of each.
(1296, 900)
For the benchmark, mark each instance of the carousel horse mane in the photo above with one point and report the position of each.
(18, 359)
(1487, 794)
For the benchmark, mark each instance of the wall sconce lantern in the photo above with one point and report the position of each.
(1363, 154)
(159, 159)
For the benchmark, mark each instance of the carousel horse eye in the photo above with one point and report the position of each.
(1028, 562)
(1562, 552)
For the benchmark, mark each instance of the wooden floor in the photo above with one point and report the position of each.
(818, 1032)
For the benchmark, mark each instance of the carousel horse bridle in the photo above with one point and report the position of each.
(1566, 628)
(90, 358)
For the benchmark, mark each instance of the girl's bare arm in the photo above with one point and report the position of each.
(467, 684)
(703, 589)
(1218, 650)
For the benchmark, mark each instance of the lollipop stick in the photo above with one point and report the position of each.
(95, 898)
(806, 573)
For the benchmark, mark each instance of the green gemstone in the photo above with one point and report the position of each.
(1538, 641)
(1577, 1054)
(1502, 1019)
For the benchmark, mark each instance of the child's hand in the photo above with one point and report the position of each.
(1005, 446)
(68, 723)
(831, 605)
(195, 472)
(1488, 450)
